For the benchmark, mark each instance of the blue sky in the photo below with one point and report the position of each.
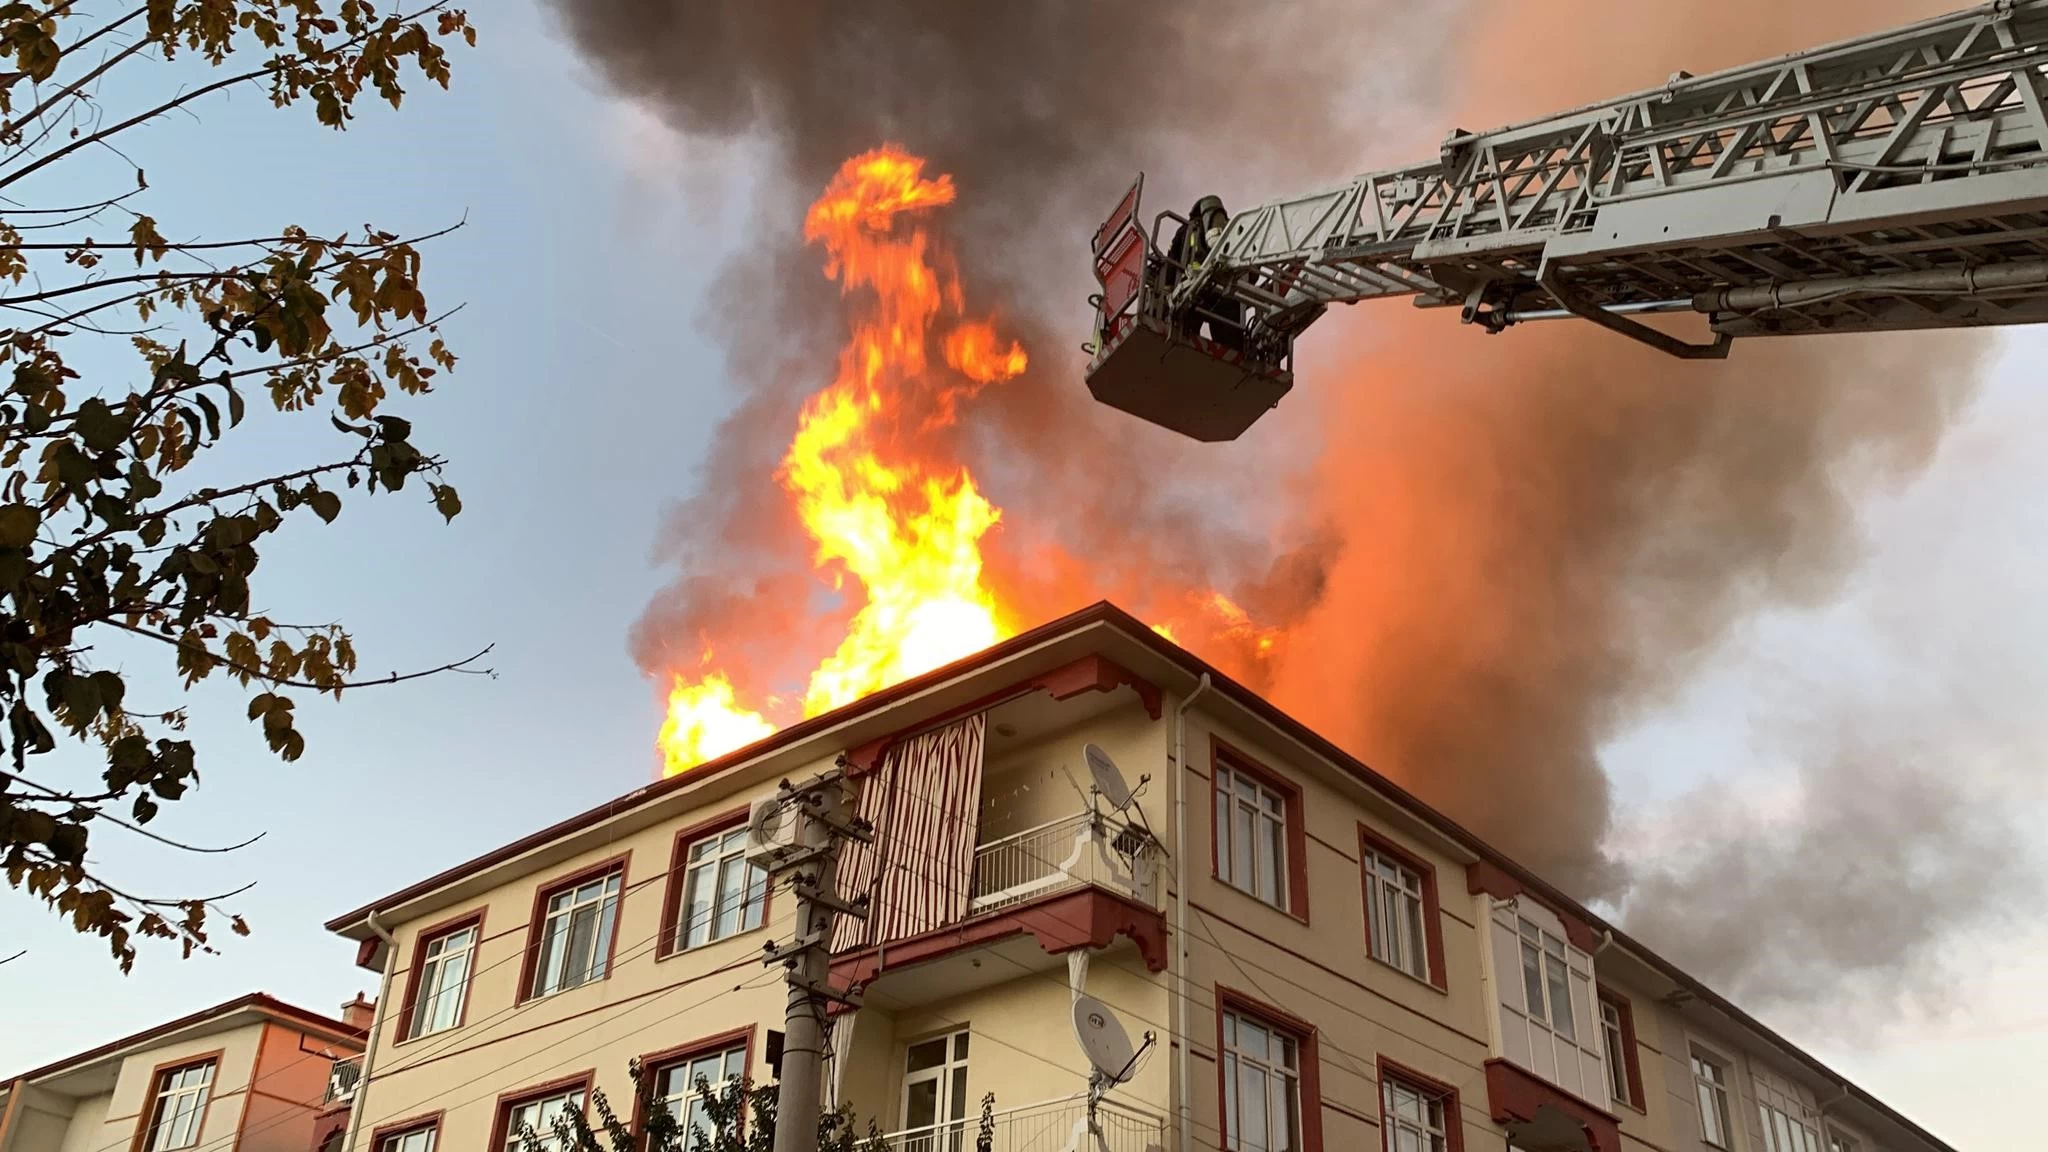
(588, 388)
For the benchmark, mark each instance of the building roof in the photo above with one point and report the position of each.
(1103, 613)
(255, 1005)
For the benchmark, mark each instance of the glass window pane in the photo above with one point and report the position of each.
(1251, 1090)
(1560, 998)
(1290, 1115)
(1270, 866)
(1223, 849)
(920, 1103)
(1532, 980)
(1242, 873)
(696, 927)
(929, 1054)
(1230, 1105)
(1413, 956)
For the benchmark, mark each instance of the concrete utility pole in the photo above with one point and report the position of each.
(822, 825)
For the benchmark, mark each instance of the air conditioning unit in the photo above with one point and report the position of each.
(772, 833)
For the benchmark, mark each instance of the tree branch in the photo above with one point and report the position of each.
(275, 66)
(278, 682)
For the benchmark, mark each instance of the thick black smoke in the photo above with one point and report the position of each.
(1504, 550)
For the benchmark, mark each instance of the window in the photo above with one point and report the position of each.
(539, 1114)
(575, 937)
(1840, 1142)
(1414, 1118)
(935, 1094)
(416, 1140)
(723, 895)
(1394, 908)
(1261, 1086)
(441, 981)
(1546, 980)
(1618, 1047)
(1790, 1122)
(1251, 836)
(1710, 1082)
(676, 1091)
(179, 1107)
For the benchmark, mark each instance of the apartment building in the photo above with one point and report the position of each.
(1306, 956)
(254, 1074)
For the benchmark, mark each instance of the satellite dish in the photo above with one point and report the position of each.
(1108, 780)
(1103, 1039)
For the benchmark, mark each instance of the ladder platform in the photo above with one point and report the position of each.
(1190, 385)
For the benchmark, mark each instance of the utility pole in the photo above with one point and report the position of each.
(822, 826)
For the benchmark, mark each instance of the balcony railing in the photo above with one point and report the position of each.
(342, 1078)
(1051, 1126)
(1084, 848)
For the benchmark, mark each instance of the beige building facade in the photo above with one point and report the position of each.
(251, 1075)
(1304, 956)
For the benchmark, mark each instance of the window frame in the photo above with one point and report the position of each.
(1632, 1067)
(1697, 1052)
(1308, 1057)
(1371, 841)
(1293, 832)
(537, 923)
(427, 1121)
(653, 1064)
(944, 1073)
(1454, 1131)
(416, 973)
(678, 883)
(145, 1124)
(501, 1120)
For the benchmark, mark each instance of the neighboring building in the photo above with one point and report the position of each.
(251, 1075)
(1359, 971)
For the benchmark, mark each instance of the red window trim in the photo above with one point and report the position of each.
(1454, 1127)
(140, 1141)
(1304, 1033)
(1432, 907)
(417, 968)
(678, 859)
(652, 1063)
(406, 1127)
(541, 895)
(1221, 752)
(501, 1123)
(1630, 1061)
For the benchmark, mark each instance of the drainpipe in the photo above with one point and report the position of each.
(1183, 1117)
(356, 1109)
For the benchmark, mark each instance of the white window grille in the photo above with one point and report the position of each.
(1393, 899)
(1251, 836)
(444, 981)
(723, 895)
(576, 935)
(179, 1107)
(1261, 1086)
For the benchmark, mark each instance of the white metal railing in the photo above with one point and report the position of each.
(1084, 848)
(341, 1079)
(1049, 1126)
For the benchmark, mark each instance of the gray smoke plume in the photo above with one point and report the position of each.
(1495, 553)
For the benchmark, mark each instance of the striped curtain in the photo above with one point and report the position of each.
(924, 803)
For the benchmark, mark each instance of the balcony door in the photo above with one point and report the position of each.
(935, 1095)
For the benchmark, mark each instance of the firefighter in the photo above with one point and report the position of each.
(1194, 242)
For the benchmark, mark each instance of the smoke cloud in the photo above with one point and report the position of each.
(1494, 554)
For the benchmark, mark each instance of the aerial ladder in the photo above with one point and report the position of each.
(1897, 181)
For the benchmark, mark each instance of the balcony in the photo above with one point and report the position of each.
(341, 1080)
(1079, 881)
(1049, 1126)
(1070, 852)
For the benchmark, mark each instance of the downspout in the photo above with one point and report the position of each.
(1183, 1116)
(356, 1106)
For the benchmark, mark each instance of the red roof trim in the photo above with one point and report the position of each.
(261, 1001)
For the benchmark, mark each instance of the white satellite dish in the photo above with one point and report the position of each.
(1108, 780)
(1103, 1039)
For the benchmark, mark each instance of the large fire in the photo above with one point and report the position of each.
(907, 529)
(878, 501)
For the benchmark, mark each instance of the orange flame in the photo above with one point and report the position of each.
(907, 530)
